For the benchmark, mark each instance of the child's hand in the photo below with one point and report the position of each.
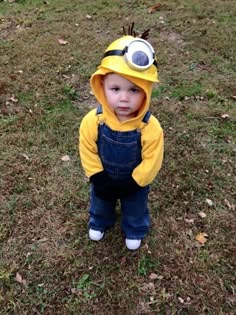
(128, 187)
(104, 186)
(108, 189)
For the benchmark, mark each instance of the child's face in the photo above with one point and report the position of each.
(123, 96)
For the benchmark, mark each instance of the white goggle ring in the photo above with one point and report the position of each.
(139, 54)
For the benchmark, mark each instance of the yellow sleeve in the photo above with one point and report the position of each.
(152, 153)
(88, 133)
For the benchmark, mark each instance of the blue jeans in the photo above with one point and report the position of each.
(135, 220)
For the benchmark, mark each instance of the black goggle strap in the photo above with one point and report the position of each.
(115, 52)
(119, 52)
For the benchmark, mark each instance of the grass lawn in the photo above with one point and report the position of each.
(186, 266)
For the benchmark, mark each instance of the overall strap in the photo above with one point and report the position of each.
(99, 109)
(146, 117)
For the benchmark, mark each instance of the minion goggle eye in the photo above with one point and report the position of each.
(139, 54)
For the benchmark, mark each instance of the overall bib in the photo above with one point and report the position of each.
(120, 153)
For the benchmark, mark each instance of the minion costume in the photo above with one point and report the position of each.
(121, 159)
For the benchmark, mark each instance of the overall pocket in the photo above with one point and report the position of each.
(120, 152)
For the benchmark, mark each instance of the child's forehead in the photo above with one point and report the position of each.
(118, 79)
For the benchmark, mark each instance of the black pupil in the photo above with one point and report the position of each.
(140, 58)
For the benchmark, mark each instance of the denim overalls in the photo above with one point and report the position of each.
(120, 153)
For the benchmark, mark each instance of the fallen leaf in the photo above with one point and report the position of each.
(202, 214)
(181, 300)
(19, 279)
(154, 8)
(189, 221)
(153, 276)
(77, 292)
(13, 76)
(229, 205)
(189, 233)
(62, 41)
(44, 239)
(65, 158)
(165, 294)
(209, 202)
(13, 99)
(148, 287)
(151, 286)
(201, 238)
(25, 156)
(224, 116)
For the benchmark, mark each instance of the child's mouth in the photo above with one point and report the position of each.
(123, 108)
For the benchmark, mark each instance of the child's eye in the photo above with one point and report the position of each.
(115, 89)
(134, 90)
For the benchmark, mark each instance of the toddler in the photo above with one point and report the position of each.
(121, 142)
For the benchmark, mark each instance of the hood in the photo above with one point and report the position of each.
(112, 120)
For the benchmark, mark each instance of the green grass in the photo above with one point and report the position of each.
(146, 265)
(45, 92)
(185, 90)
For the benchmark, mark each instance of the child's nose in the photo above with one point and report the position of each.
(124, 96)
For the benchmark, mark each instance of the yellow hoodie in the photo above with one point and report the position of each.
(151, 133)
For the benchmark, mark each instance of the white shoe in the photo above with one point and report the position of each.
(95, 235)
(132, 244)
